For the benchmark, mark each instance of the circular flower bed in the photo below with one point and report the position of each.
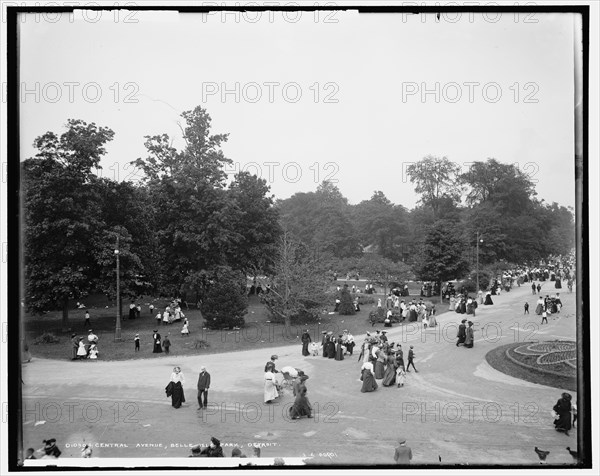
(552, 363)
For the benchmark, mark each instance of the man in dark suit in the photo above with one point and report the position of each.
(203, 386)
(403, 453)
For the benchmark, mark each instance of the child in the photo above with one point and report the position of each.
(400, 376)
(151, 309)
(93, 354)
(544, 317)
(526, 308)
(81, 352)
(166, 344)
(184, 330)
(136, 339)
(425, 322)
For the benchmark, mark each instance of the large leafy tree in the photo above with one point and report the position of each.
(62, 216)
(436, 180)
(502, 185)
(383, 270)
(380, 223)
(321, 220)
(441, 257)
(298, 285)
(225, 302)
(195, 215)
(257, 225)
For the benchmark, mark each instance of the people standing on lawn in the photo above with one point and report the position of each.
(306, 340)
(185, 331)
(158, 317)
(157, 349)
(81, 352)
(526, 307)
(488, 299)
(93, 352)
(136, 341)
(87, 324)
(539, 287)
(166, 317)
(74, 346)
(533, 288)
(166, 343)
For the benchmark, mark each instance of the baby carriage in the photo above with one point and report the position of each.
(288, 377)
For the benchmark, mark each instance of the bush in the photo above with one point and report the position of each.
(46, 338)
(225, 302)
(346, 307)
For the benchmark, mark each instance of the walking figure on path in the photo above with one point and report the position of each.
(526, 308)
(411, 356)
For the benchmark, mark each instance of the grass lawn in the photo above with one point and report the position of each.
(257, 333)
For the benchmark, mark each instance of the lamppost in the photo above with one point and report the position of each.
(118, 324)
(478, 241)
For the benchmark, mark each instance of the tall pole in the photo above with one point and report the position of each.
(118, 324)
(477, 261)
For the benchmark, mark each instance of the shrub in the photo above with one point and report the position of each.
(225, 302)
(365, 299)
(46, 338)
(346, 307)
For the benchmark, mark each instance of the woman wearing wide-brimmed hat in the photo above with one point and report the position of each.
(563, 409)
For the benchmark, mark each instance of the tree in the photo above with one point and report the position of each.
(258, 225)
(346, 307)
(503, 185)
(441, 256)
(380, 223)
(62, 216)
(225, 302)
(383, 270)
(196, 215)
(298, 285)
(436, 180)
(321, 220)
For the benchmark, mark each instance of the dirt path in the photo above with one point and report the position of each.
(457, 407)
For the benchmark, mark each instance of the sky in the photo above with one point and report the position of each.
(353, 98)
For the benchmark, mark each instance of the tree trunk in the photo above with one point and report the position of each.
(441, 293)
(65, 316)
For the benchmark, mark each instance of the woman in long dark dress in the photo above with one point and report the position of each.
(488, 299)
(339, 352)
(305, 341)
(389, 377)
(301, 405)
(176, 388)
(368, 379)
(157, 346)
(379, 365)
(331, 347)
(563, 410)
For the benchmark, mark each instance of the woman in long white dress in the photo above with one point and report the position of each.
(270, 387)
